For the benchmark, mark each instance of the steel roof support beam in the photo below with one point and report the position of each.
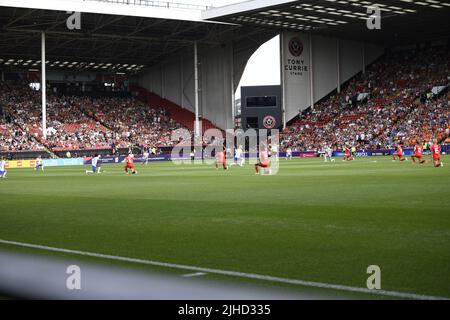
(19, 18)
(43, 88)
(196, 88)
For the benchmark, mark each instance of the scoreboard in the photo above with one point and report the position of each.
(261, 107)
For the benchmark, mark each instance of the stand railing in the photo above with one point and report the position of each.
(159, 4)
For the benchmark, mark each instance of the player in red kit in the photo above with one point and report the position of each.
(129, 164)
(348, 155)
(399, 154)
(436, 154)
(221, 159)
(418, 154)
(263, 161)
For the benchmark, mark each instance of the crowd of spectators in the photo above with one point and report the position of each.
(392, 103)
(70, 127)
(78, 123)
(396, 106)
(135, 122)
(14, 134)
(13, 138)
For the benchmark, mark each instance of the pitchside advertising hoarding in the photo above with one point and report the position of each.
(18, 164)
(296, 72)
(383, 152)
(120, 159)
(63, 162)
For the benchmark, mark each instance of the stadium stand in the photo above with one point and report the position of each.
(14, 136)
(403, 96)
(179, 114)
(80, 123)
(135, 122)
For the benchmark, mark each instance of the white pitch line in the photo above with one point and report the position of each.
(192, 275)
(395, 294)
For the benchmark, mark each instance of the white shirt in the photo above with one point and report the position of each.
(2, 165)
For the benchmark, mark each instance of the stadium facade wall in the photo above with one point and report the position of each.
(221, 67)
(220, 70)
(351, 54)
(332, 61)
(173, 80)
(324, 62)
(170, 78)
(216, 86)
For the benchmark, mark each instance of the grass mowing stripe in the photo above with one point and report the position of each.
(395, 294)
(314, 221)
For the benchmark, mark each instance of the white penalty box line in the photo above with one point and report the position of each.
(268, 278)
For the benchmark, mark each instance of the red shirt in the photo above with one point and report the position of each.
(264, 158)
(418, 150)
(129, 160)
(221, 156)
(399, 150)
(435, 150)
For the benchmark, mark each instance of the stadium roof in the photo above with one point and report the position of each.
(126, 36)
(114, 37)
(403, 21)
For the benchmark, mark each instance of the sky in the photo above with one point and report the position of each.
(263, 68)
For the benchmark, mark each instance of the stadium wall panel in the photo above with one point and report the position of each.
(172, 82)
(216, 78)
(187, 74)
(325, 66)
(373, 52)
(325, 62)
(220, 71)
(351, 59)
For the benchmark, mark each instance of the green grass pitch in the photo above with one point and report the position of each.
(313, 221)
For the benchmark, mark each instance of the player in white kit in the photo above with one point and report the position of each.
(289, 154)
(239, 157)
(95, 168)
(328, 154)
(3, 171)
(39, 164)
(274, 151)
(145, 157)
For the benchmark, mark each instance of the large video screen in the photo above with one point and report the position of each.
(261, 102)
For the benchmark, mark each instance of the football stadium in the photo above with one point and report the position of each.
(135, 163)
